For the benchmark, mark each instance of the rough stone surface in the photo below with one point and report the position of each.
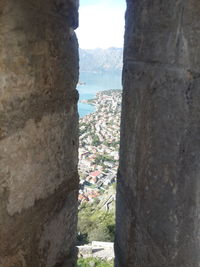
(158, 193)
(38, 132)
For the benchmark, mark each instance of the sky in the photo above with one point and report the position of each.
(101, 23)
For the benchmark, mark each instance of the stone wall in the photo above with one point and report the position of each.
(158, 194)
(38, 132)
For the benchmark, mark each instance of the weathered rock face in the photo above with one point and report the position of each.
(158, 195)
(38, 132)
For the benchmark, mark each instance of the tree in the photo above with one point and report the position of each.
(95, 224)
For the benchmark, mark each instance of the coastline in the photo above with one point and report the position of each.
(90, 105)
(87, 101)
(99, 146)
(91, 83)
(85, 109)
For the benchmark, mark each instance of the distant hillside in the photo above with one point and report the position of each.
(101, 60)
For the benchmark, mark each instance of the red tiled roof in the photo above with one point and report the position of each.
(95, 173)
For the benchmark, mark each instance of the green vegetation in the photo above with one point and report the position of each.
(95, 140)
(101, 158)
(114, 144)
(92, 262)
(85, 128)
(95, 224)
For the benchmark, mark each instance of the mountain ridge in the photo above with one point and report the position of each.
(101, 60)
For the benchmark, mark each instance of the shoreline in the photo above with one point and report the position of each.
(99, 146)
(93, 101)
(87, 101)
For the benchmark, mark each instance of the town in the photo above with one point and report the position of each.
(99, 147)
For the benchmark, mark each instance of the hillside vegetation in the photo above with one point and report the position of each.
(95, 223)
(92, 262)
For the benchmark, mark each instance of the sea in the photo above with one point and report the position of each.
(90, 83)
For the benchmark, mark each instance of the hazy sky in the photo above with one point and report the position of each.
(101, 23)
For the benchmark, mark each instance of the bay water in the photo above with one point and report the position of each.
(91, 83)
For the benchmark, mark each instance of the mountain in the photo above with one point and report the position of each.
(101, 60)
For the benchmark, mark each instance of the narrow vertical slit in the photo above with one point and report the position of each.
(101, 40)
